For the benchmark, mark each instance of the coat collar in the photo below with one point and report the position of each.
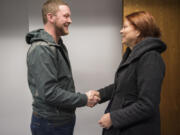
(142, 47)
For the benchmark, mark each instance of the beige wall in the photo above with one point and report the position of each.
(166, 13)
(15, 105)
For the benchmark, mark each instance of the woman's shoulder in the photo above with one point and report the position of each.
(151, 53)
(151, 57)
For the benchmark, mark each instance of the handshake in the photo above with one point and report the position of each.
(93, 98)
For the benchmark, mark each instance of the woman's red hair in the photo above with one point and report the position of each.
(145, 24)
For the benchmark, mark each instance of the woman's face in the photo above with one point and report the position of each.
(129, 34)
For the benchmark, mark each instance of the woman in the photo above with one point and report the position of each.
(135, 94)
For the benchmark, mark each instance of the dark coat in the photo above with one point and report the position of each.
(135, 94)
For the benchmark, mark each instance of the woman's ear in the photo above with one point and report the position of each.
(138, 33)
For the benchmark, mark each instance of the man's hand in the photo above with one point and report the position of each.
(105, 121)
(93, 98)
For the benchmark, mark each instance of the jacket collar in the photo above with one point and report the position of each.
(48, 38)
(42, 35)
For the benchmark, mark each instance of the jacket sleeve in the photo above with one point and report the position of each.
(44, 73)
(150, 74)
(106, 93)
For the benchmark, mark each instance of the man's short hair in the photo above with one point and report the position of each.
(51, 6)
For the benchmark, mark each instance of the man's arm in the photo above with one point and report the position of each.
(44, 72)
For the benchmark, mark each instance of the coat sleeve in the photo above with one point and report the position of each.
(43, 71)
(150, 74)
(106, 93)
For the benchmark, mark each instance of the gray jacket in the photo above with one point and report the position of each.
(50, 78)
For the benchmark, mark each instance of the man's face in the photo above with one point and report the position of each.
(62, 20)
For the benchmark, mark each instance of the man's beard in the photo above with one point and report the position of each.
(60, 31)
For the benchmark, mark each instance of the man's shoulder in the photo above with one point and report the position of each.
(40, 43)
(38, 46)
(42, 47)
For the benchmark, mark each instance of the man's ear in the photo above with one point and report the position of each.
(50, 17)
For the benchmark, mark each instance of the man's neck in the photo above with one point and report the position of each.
(52, 32)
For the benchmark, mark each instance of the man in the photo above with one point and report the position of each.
(50, 76)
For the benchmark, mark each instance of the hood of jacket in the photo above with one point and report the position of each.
(146, 45)
(39, 35)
